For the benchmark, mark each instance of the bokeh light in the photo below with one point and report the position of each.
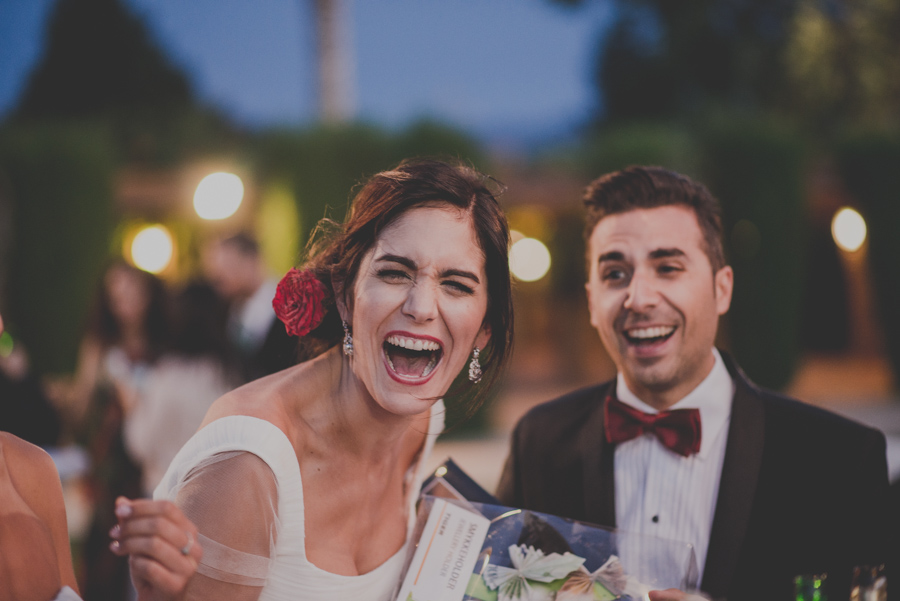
(218, 196)
(529, 259)
(848, 228)
(152, 249)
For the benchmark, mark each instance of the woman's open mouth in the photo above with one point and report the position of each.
(411, 359)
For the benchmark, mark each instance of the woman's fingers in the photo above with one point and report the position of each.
(153, 526)
(158, 527)
(145, 570)
(161, 541)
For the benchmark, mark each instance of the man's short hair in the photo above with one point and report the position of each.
(639, 187)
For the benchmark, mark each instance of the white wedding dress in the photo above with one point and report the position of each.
(238, 480)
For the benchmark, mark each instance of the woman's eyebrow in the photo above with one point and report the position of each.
(410, 264)
(405, 261)
(460, 273)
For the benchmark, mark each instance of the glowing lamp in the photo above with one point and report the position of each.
(529, 259)
(152, 249)
(848, 228)
(218, 196)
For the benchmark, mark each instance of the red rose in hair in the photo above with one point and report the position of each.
(298, 302)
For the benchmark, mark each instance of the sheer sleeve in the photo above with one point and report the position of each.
(232, 497)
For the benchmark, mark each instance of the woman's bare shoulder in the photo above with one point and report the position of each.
(28, 464)
(35, 478)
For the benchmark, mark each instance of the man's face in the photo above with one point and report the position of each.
(655, 301)
(230, 272)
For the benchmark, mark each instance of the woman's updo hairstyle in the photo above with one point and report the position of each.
(336, 251)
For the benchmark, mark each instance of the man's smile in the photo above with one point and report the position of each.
(646, 336)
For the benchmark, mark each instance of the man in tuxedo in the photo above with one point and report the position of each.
(682, 445)
(236, 269)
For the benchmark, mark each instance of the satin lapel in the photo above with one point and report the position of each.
(598, 456)
(737, 488)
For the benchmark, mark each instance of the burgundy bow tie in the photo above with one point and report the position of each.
(677, 430)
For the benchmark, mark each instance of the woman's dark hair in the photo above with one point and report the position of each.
(379, 203)
(199, 322)
(103, 324)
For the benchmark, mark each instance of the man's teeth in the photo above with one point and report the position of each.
(656, 332)
(414, 344)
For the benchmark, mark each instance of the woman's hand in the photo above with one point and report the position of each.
(162, 545)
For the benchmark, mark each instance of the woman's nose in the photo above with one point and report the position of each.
(421, 303)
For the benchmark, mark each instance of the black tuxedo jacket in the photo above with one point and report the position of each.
(803, 491)
(278, 351)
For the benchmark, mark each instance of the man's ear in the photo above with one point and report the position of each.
(590, 302)
(723, 283)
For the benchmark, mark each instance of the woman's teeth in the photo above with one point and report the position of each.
(413, 344)
(412, 356)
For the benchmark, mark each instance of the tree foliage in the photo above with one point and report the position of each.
(665, 59)
(100, 61)
(843, 63)
(824, 63)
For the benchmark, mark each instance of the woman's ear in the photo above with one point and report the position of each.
(483, 336)
(340, 300)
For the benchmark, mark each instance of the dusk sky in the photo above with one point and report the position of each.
(507, 71)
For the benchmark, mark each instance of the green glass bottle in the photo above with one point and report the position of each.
(810, 587)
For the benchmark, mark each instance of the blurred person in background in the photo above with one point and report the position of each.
(125, 335)
(35, 558)
(25, 409)
(192, 372)
(235, 267)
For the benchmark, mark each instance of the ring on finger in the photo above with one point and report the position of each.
(186, 549)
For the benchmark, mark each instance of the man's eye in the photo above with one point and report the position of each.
(669, 269)
(613, 275)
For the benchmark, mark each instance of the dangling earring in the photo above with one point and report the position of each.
(348, 339)
(475, 367)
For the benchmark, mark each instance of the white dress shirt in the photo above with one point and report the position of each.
(664, 494)
(252, 320)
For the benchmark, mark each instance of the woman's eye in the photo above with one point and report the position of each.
(459, 287)
(392, 275)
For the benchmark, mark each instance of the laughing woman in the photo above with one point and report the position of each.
(302, 484)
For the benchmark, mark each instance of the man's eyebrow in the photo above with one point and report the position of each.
(405, 261)
(665, 253)
(613, 255)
